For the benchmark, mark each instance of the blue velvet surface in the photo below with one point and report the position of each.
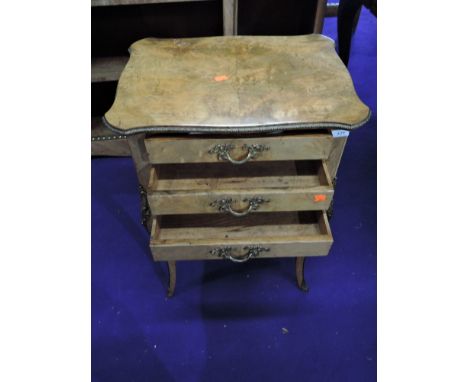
(226, 320)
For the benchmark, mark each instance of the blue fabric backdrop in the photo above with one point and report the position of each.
(226, 321)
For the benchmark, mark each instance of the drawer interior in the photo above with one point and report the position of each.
(224, 229)
(224, 176)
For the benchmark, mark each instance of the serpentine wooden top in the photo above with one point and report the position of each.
(235, 84)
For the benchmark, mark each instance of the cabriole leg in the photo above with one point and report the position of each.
(300, 274)
(172, 278)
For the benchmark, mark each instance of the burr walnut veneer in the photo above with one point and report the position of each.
(236, 142)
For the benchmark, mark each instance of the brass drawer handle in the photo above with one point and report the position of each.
(223, 152)
(225, 205)
(226, 253)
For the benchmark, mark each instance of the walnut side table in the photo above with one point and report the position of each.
(235, 144)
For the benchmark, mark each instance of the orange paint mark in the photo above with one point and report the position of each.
(320, 198)
(222, 77)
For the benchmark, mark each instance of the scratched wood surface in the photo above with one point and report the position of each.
(284, 235)
(185, 193)
(235, 84)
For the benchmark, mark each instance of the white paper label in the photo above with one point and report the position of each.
(340, 133)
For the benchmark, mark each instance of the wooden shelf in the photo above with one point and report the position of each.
(105, 3)
(107, 68)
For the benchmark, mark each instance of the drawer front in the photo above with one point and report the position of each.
(240, 196)
(240, 202)
(238, 150)
(242, 243)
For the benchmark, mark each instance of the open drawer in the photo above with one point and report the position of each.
(260, 187)
(211, 237)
